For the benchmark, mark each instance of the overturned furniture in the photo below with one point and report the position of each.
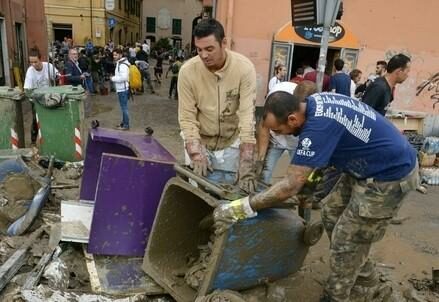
(124, 175)
(270, 246)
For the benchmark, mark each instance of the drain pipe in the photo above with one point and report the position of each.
(214, 9)
(91, 21)
(229, 23)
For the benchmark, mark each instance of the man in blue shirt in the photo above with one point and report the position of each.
(379, 169)
(340, 82)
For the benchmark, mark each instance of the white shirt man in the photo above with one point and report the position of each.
(38, 76)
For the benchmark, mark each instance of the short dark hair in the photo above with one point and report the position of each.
(355, 73)
(382, 63)
(338, 64)
(34, 52)
(118, 51)
(281, 104)
(305, 89)
(300, 70)
(207, 27)
(397, 61)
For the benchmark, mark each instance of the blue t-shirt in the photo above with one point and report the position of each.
(351, 136)
(341, 82)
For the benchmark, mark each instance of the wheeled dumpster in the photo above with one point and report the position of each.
(11, 118)
(60, 126)
(268, 247)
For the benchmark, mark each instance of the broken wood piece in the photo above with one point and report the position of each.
(95, 283)
(63, 187)
(18, 259)
(36, 273)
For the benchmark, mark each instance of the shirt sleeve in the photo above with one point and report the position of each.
(28, 81)
(187, 107)
(272, 83)
(353, 88)
(247, 102)
(373, 96)
(317, 142)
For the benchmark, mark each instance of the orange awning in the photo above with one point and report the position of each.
(289, 35)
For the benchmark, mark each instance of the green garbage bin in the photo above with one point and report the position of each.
(60, 128)
(11, 118)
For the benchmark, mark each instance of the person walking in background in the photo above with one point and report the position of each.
(312, 76)
(84, 63)
(340, 82)
(280, 72)
(379, 94)
(143, 67)
(158, 69)
(175, 69)
(121, 81)
(355, 82)
(299, 76)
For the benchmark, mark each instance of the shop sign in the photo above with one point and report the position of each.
(314, 33)
(109, 4)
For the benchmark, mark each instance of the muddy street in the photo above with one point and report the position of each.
(405, 257)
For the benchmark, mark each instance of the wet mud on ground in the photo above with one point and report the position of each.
(408, 251)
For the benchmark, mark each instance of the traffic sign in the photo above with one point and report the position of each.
(112, 22)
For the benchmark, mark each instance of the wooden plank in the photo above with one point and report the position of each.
(95, 283)
(18, 259)
(36, 273)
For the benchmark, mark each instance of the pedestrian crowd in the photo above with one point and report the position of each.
(99, 70)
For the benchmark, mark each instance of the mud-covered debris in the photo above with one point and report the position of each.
(412, 296)
(46, 294)
(56, 272)
(198, 267)
(222, 296)
(276, 293)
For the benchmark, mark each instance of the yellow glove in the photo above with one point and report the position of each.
(225, 215)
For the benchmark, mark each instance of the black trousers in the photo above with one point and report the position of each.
(173, 87)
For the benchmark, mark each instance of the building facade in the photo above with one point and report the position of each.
(369, 31)
(173, 19)
(98, 20)
(21, 27)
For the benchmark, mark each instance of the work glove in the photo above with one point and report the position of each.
(198, 155)
(246, 171)
(227, 214)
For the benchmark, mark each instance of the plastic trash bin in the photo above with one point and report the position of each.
(60, 128)
(270, 246)
(11, 118)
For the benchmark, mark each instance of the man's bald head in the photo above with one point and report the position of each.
(305, 89)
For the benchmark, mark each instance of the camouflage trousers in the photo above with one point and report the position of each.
(355, 215)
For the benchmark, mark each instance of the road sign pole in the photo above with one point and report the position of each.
(331, 8)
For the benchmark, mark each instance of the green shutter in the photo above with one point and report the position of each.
(176, 26)
(150, 24)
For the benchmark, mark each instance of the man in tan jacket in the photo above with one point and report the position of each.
(217, 92)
